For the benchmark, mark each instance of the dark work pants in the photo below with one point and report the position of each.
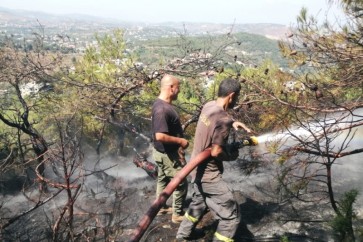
(219, 199)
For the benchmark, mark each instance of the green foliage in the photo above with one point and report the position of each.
(359, 232)
(39, 106)
(263, 86)
(249, 48)
(351, 94)
(97, 83)
(102, 70)
(329, 54)
(342, 223)
(8, 140)
(303, 16)
(191, 95)
(281, 159)
(284, 238)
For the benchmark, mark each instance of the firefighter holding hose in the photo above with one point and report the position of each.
(210, 190)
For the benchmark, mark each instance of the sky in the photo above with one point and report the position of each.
(154, 11)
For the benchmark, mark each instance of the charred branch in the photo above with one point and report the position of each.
(331, 154)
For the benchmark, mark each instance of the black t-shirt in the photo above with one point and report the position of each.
(165, 120)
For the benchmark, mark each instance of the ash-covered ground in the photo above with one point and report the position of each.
(113, 201)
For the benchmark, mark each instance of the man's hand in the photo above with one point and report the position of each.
(184, 143)
(236, 125)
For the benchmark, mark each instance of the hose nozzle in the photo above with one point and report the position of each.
(254, 140)
(245, 141)
(250, 141)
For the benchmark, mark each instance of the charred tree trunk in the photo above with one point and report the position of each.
(40, 148)
(330, 190)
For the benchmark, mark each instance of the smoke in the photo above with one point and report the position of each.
(347, 171)
(121, 167)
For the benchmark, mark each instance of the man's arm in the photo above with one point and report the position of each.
(168, 139)
(236, 125)
(219, 153)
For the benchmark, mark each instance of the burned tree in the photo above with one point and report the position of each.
(66, 158)
(23, 75)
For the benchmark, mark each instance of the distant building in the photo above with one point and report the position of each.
(294, 86)
(33, 87)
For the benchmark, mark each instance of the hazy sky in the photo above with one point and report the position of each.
(214, 11)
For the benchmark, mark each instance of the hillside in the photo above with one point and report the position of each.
(149, 41)
(17, 18)
(245, 49)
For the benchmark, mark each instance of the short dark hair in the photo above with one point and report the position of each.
(228, 86)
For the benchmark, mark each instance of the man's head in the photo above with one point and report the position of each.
(169, 87)
(230, 88)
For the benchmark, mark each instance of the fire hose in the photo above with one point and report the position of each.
(173, 184)
(169, 189)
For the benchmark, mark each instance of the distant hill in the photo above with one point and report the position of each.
(269, 30)
(31, 18)
(24, 18)
(150, 41)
